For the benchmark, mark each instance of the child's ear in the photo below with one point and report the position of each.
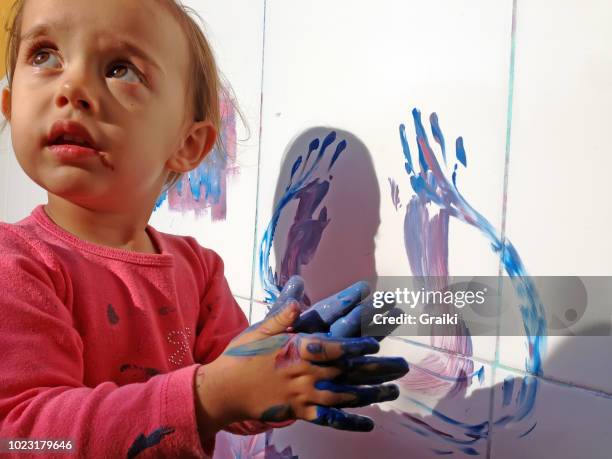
(6, 103)
(197, 143)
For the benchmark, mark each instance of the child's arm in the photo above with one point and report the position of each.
(42, 392)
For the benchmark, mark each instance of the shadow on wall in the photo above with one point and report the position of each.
(566, 422)
(326, 233)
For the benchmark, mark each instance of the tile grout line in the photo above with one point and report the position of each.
(504, 209)
(558, 382)
(494, 365)
(254, 257)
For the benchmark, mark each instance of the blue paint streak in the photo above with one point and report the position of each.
(430, 185)
(295, 167)
(421, 135)
(460, 151)
(406, 149)
(475, 431)
(528, 431)
(297, 183)
(507, 389)
(264, 346)
(207, 176)
(479, 373)
(437, 133)
(339, 149)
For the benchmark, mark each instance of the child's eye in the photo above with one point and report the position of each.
(45, 58)
(125, 72)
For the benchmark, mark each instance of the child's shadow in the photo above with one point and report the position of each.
(326, 229)
(325, 218)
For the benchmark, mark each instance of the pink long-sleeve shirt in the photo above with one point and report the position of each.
(100, 345)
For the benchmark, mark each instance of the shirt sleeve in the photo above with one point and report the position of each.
(221, 319)
(42, 394)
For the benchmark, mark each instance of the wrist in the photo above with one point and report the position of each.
(213, 412)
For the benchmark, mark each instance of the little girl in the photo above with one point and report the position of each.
(118, 340)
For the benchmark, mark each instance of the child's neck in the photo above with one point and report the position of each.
(103, 228)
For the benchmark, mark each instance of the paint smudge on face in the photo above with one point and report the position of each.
(111, 314)
(105, 162)
(205, 187)
(306, 230)
(143, 441)
(426, 242)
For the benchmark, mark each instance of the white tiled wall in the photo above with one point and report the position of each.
(359, 67)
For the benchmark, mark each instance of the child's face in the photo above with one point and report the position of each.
(120, 69)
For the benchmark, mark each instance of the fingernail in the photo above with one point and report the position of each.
(314, 348)
(389, 393)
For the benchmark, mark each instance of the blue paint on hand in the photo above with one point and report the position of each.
(322, 315)
(359, 346)
(364, 396)
(263, 346)
(338, 419)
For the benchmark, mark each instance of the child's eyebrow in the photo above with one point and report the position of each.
(40, 29)
(135, 50)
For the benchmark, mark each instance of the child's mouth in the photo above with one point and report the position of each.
(70, 140)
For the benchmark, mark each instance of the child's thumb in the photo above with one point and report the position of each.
(281, 319)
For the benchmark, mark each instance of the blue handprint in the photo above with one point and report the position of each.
(426, 242)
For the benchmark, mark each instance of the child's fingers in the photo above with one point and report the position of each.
(367, 369)
(338, 419)
(293, 288)
(277, 322)
(339, 395)
(349, 325)
(319, 317)
(323, 372)
(319, 349)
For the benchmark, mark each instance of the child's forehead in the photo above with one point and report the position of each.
(146, 22)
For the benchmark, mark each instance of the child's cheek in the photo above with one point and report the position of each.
(132, 96)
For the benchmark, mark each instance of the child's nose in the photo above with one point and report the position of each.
(75, 92)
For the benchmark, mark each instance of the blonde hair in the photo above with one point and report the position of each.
(204, 85)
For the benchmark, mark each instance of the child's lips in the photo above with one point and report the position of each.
(72, 152)
(68, 132)
(70, 140)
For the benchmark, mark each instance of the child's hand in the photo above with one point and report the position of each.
(268, 374)
(338, 316)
